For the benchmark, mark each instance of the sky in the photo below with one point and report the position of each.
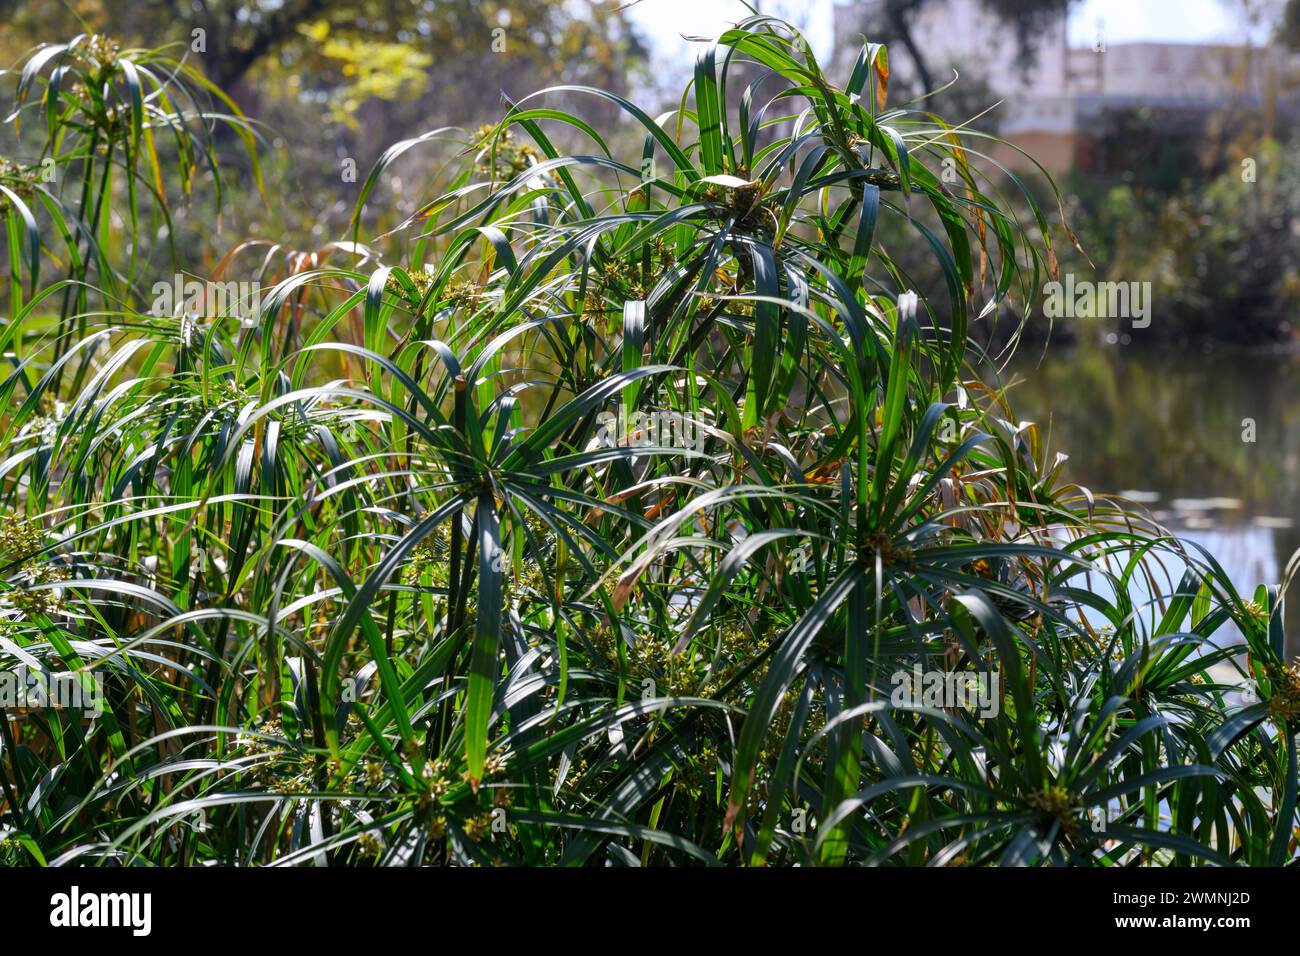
(1187, 21)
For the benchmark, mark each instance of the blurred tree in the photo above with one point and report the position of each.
(1288, 30)
(335, 83)
(892, 22)
(347, 53)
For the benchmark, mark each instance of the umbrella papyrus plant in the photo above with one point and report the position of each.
(596, 514)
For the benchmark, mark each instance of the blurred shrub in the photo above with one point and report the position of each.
(1220, 247)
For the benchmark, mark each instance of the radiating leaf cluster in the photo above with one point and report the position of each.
(588, 517)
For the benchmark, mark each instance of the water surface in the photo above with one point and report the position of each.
(1209, 442)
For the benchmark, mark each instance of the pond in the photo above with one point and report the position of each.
(1209, 442)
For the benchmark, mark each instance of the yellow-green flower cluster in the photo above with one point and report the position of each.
(503, 155)
(369, 846)
(19, 536)
(422, 279)
(431, 557)
(284, 771)
(18, 178)
(11, 852)
(477, 827)
(1284, 703)
(99, 50)
(1055, 804)
(627, 278)
(30, 591)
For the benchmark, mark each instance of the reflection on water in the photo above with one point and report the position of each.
(1210, 443)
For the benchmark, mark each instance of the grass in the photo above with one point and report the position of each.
(586, 517)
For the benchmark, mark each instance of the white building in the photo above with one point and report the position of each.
(1050, 105)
